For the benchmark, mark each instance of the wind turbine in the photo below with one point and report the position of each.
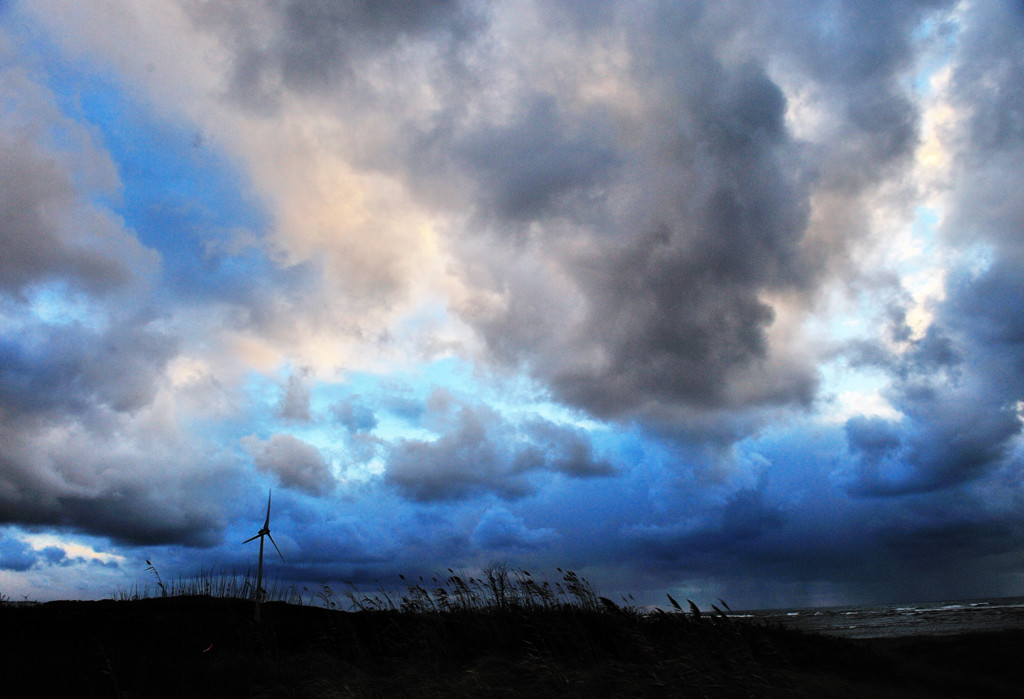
(259, 570)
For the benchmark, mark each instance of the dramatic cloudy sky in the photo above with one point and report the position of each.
(714, 298)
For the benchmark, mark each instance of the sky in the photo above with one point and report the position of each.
(718, 299)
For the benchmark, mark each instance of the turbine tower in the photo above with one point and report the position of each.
(259, 569)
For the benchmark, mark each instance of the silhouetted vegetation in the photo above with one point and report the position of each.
(500, 634)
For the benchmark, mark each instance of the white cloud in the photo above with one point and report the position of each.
(71, 548)
(849, 404)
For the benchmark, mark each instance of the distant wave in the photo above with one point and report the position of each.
(925, 619)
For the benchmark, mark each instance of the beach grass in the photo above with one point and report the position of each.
(212, 583)
(502, 632)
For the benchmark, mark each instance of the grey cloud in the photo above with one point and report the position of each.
(15, 554)
(857, 55)
(712, 176)
(319, 31)
(988, 77)
(522, 170)
(986, 88)
(51, 226)
(562, 450)
(875, 440)
(296, 463)
(319, 44)
(632, 242)
(404, 406)
(41, 227)
(850, 44)
(670, 312)
(959, 387)
(55, 555)
(461, 463)
(982, 317)
(75, 368)
(354, 416)
(746, 108)
(478, 453)
(703, 214)
(362, 447)
(295, 403)
(500, 529)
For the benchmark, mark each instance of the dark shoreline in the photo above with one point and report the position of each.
(989, 661)
(209, 647)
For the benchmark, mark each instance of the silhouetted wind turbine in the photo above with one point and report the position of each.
(259, 569)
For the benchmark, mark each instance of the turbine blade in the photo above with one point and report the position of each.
(266, 524)
(251, 538)
(275, 546)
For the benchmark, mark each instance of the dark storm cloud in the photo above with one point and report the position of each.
(100, 479)
(943, 542)
(744, 523)
(140, 516)
(937, 444)
(795, 531)
(317, 35)
(79, 456)
(958, 395)
(479, 453)
(680, 216)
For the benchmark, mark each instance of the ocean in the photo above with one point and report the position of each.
(893, 621)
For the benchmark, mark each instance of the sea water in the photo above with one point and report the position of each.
(888, 621)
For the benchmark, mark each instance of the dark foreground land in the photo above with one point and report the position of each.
(212, 647)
